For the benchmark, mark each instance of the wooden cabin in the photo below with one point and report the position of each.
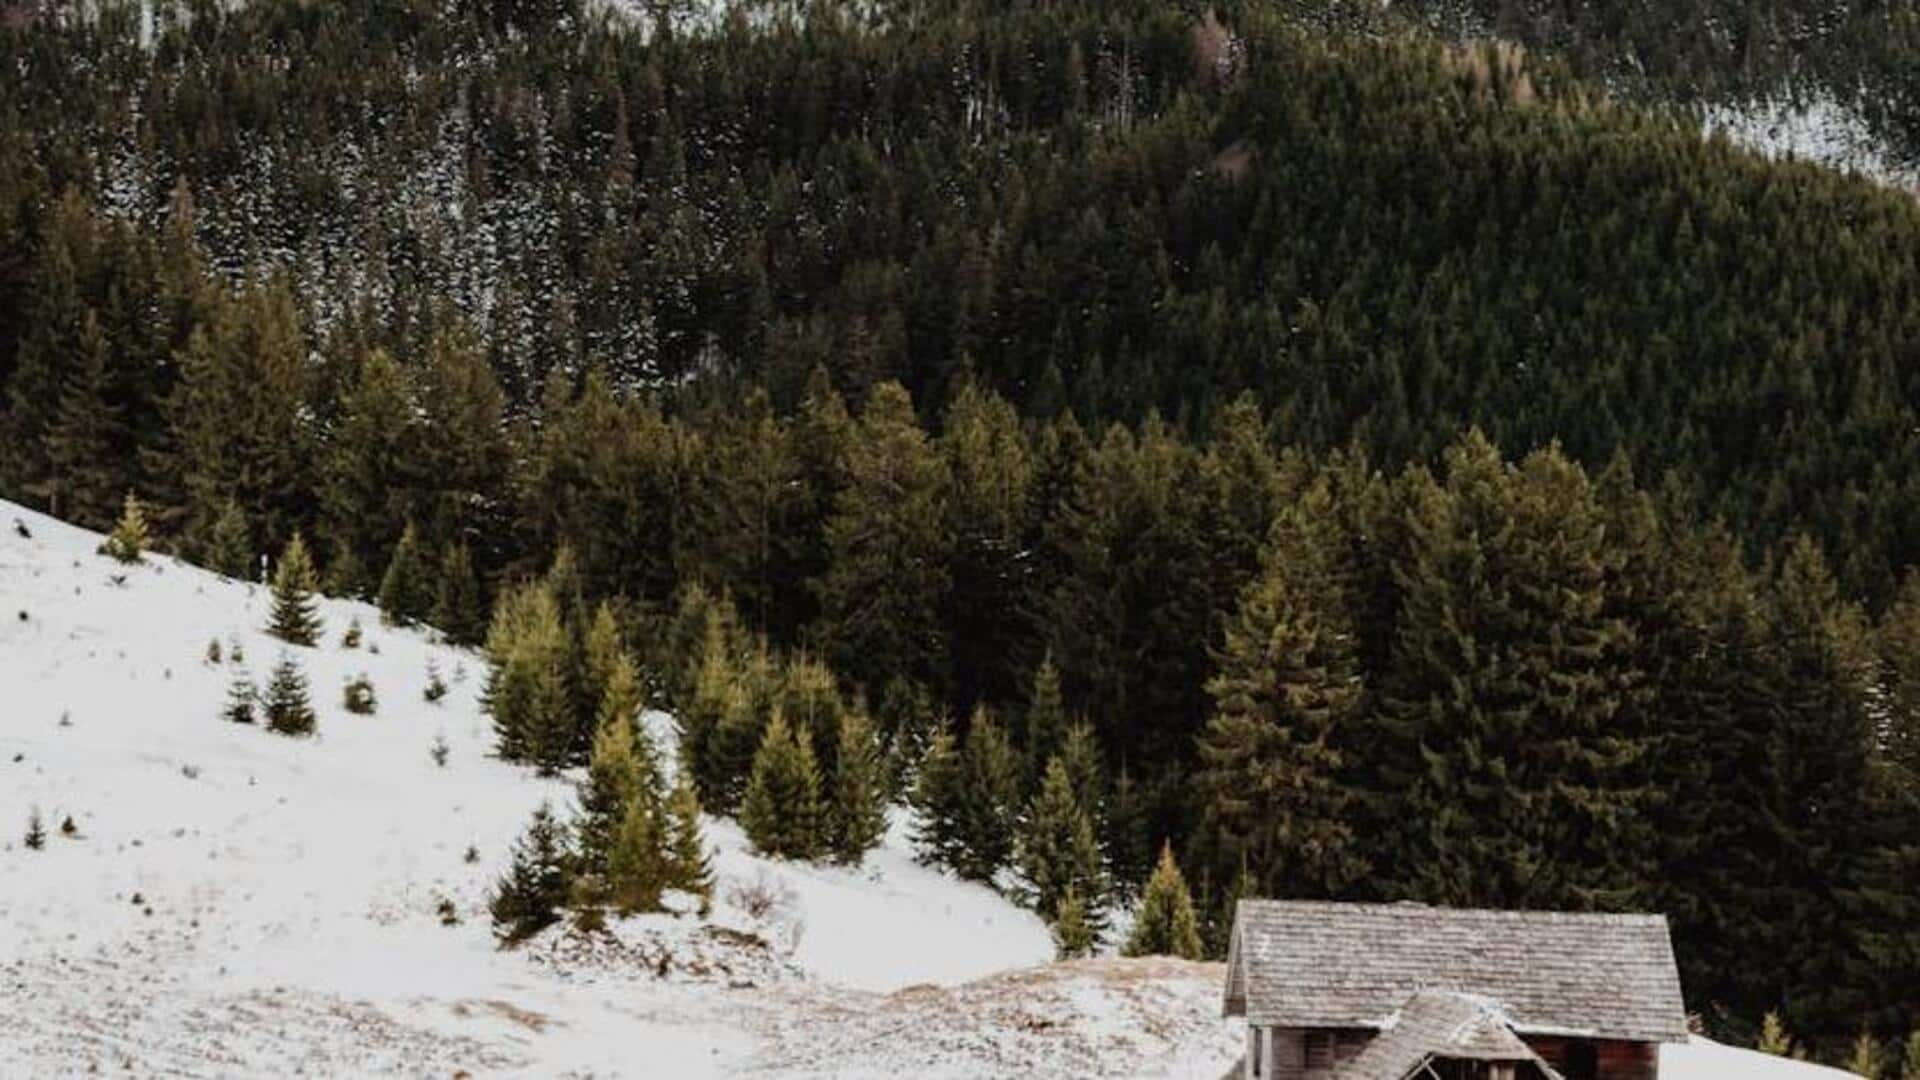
(1410, 992)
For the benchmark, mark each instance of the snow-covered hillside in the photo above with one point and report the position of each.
(237, 902)
(233, 902)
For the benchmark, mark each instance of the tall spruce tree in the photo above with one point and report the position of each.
(295, 620)
(885, 588)
(1287, 683)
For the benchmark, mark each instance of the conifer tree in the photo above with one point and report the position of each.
(456, 606)
(1073, 938)
(600, 653)
(1287, 682)
(526, 694)
(129, 536)
(781, 811)
(1046, 719)
(1058, 852)
(688, 868)
(241, 698)
(939, 791)
(528, 898)
(637, 865)
(620, 773)
(228, 549)
(988, 508)
(857, 819)
(967, 797)
(289, 712)
(1166, 924)
(406, 591)
(295, 618)
(1865, 1058)
(885, 589)
(992, 804)
(1910, 1058)
(1773, 1036)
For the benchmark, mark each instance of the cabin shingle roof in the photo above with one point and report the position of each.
(1314, 964)
(1436, 1024)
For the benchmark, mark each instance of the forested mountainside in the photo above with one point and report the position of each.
(1856, 54)
(1424, 474)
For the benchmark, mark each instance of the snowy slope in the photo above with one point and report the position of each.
(240, 903)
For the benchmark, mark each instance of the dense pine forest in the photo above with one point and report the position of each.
(1364, 463)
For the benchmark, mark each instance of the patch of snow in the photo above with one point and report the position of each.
(1704, 1059)
(1816, 128)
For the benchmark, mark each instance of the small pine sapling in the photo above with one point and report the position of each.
(68, 829)
(213, 651)
(528, 898)
(472, 856)
(439, 751)
(358, 696)
(288, 710)
(449, 915)
(351, 639)
(129, 536)
(1167, 924)
(36, 831)
(1865, 1060)
(241, 698)
(436, 686)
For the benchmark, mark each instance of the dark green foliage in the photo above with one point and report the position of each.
(1286, 692)
(129, 536)
(781, 812)
(968, 799)
(287, 707)
(1165, 924)
(36, 836)
(636, 866)
(228, 549)
(457, 610)
(1072, 937)
(1059, 854)
(436, 687)
(1045, 718)
(857, 819)
(358, 697)
(242, 697)
(295, 618)
(528, 656)
(887, 581)
(528, 898)
(406, 591)
(688, 868)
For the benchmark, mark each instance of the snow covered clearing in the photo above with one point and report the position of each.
(1818, 129)
(234, 902)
